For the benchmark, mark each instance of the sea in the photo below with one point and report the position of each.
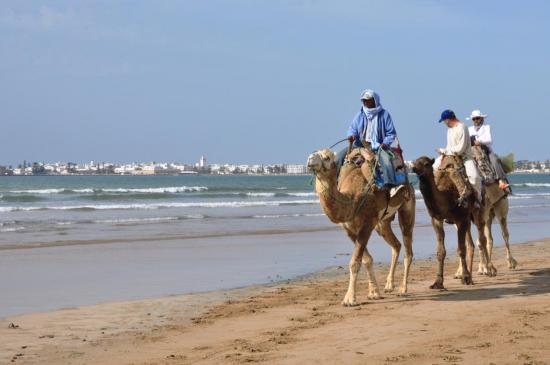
(75, 240)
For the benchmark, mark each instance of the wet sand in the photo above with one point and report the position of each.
(500, 320)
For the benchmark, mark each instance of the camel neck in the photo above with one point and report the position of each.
(337, 206)
(430, 192)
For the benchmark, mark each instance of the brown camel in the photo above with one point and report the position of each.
(441, 195)
(359, 207)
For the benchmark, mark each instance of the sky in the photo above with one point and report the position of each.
(252, 81)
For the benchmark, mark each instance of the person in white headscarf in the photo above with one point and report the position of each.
(481, 136)
(373, 127)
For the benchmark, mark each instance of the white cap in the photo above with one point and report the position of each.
(367, 94)
(477, 114)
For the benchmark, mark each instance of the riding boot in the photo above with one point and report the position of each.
(464, 190)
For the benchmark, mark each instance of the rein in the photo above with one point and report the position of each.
(362, 197)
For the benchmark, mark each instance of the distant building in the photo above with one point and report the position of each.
(295, 169)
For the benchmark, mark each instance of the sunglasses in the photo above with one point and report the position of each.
(477, 118)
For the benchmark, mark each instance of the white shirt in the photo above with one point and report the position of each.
(458, 142)
(483, 134)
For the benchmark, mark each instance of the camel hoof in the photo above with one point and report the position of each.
(467, 280)
(388, 290)
(374, 296)
(349, 304)
(402, 293)
(437, 285)
(512, 264)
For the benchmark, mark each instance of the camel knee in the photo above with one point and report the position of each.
(367, 260)
(354, 267)
(441, 254)
(396, 249)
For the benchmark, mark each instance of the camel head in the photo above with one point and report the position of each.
(423, 165)
(321, 162)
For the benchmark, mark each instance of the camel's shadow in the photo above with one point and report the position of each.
(536, 282)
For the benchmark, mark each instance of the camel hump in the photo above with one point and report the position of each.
(359, 158)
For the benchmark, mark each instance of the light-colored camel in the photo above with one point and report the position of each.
(495, 206)
(441, 195)
(496, 202)
(360, 208)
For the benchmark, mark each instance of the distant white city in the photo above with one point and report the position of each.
(201, 167)
(151, 168)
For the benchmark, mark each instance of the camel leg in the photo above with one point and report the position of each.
(463, 228)
(384, 230)
(354, 266)
(501, 212)
(470, 248)
(406, 223)
(491, 270)
(440, 233)
(482, 266)
(485, 265)
(374, 292)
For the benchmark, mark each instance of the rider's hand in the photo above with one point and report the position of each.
(383, 146)
(477, 143)
(351, 138)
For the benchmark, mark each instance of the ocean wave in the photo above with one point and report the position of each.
(530, 206)
(125, 196)
(142, 220)
(20, 198)
(233, 204)
(534, 185)
(12, 229)
(529, 196)
(301, 194)
(260, 194)
(267, 216)
(168, 189)
(88, 190)
(38, 191)
(172, 189)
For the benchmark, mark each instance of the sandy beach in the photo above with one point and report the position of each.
(500, 320)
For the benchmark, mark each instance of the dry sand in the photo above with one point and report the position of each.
(500, 320)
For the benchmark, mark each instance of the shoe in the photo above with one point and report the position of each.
(395, 190)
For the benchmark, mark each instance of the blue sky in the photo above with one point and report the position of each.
(263, 81)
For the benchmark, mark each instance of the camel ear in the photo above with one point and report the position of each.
(433, 160)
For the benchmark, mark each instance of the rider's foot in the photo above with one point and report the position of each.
(503, 185)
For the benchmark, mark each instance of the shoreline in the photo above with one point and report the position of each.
(301, 320)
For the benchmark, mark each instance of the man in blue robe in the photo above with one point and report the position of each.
(373, 128)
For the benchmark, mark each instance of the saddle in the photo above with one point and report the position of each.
(453, 167)
(365, 159)
(484, 165)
